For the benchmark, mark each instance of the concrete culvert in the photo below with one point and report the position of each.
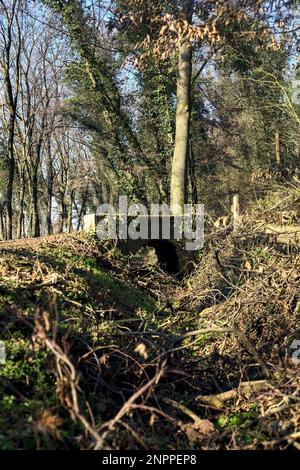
(166, 255)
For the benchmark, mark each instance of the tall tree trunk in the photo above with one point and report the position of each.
(11, 67)
(2, 227)
(62, 212)
(50, 183)
(193, 180)
(277, 148)
(82, 211)
(21, 208)
(235, 210)
(49, 207)
(35, 205)
(10, 179)
(70, 213)
(181, 150)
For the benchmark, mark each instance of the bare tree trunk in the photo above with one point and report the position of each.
(10, 179)
(181, 150)
(30, 227)
(49, 206)
(277, 148)
(35, 205)
(11, 54)
(80, 218)
(21, 208)
(193, 180)
(2, 227)
(62, 212)
(70, 213)
(235, 210)
(50, 183)
(81, 212)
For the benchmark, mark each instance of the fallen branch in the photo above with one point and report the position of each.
(201, 331)
(218, 400)
(183, 408)
(252, 350)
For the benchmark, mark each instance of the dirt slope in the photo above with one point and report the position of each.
(108, 352)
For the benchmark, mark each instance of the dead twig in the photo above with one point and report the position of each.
(252, 350)
(109, 425)
(217, 401)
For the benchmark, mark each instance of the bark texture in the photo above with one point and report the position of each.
(179, 169)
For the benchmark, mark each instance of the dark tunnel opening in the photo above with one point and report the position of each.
(166, 255)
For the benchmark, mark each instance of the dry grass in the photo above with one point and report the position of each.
(133, 358)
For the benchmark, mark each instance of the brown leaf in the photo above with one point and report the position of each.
(48, 424)
(141, 350)
(204, 426)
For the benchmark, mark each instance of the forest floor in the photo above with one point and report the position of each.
(104, 351)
